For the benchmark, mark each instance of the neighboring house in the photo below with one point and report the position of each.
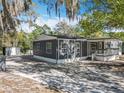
(12, 51)
(60, 49)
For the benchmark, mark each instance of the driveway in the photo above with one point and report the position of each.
(10, 83)
(75, 77)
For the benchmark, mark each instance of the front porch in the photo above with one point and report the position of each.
(104, 49)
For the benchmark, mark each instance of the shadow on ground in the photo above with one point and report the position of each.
(72, 77)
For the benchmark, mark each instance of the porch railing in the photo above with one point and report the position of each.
(109, 51)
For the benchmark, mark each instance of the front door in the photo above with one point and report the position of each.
(93, 47)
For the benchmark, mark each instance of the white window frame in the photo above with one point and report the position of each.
(49, 47)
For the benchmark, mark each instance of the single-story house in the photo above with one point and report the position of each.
(60, 49)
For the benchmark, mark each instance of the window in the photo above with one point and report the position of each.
(48, 47)
(37, 47)
(93, 46)
(100, 45)
(108, 44)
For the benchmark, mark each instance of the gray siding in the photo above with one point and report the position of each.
(84, 48)
(40, 49)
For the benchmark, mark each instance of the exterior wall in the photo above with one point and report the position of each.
(84, 48)
(60, 61)
(57, 56)
(39, 49)
(123, 48)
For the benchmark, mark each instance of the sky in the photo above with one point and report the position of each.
(45, 18)
(51, 21)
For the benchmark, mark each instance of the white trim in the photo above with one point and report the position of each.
(72, 39)
(60, 60)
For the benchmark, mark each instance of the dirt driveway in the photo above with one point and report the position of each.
(10, 83)
(69, 78)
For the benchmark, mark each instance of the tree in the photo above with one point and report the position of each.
(35, 34)
(47, 30)
(10, 10)
(112, 11)
(105, 14)
(119, 35)
(10, 39)
(72, 7)
(62, 28)
(93, 25)
(23, 41)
